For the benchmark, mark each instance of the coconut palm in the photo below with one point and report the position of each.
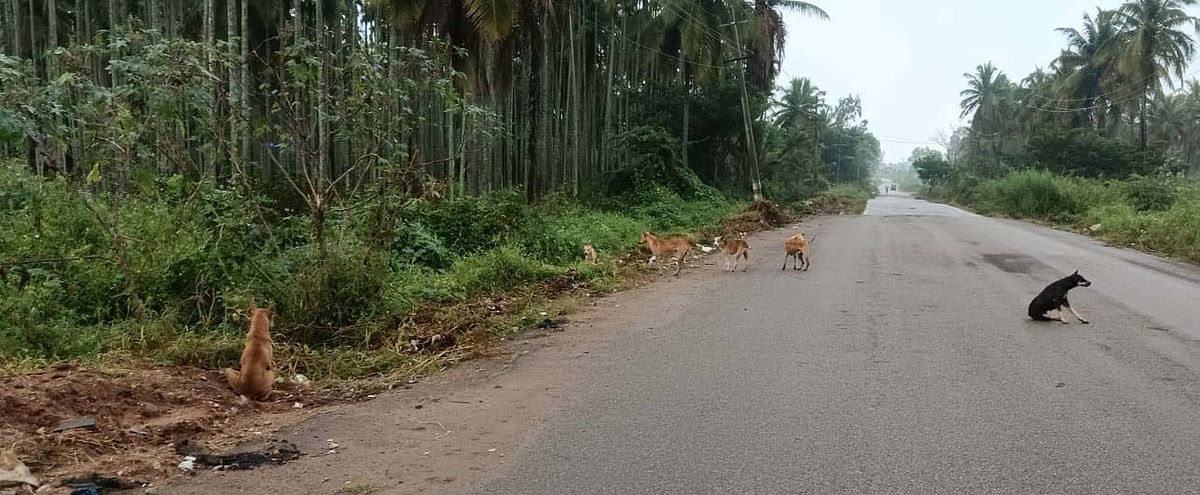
(1156, 47)
(770, 37)
(1087, 65)
(802, 105)
(984, 97)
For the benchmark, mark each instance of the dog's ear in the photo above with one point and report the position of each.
(1076, 272)
(271, 309)
(253, 305)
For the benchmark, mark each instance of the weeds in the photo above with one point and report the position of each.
(199, 253)
(1158, 213)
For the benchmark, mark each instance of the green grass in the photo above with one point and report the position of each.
(1156, 214)
(198, 254)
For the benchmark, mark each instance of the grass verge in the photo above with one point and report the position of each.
(1158, 214)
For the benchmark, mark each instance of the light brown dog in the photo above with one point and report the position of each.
(589, 253)
(796, 248)
(735, 250)
(255, 378)
(677, 246)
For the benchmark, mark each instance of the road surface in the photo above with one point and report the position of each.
(903, 362)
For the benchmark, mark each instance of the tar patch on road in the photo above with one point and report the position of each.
(1011, 263)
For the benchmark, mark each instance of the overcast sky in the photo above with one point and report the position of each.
(906, 58)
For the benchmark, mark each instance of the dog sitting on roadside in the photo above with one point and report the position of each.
(796, 247)
(677, 246)
(255, 378)
(589, 253)
(1054, 298)
(735, 250)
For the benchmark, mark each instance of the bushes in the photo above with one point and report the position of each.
(1086, 153)
(199, 252)
(1160, 213)
(1027, 194)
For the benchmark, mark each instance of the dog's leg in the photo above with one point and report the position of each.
(1076, 313)
(1062, 316)
(233, 377)
(747, 256)
(785, 260)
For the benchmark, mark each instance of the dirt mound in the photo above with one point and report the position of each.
(831, 204)
(139, 415)
(759, 215)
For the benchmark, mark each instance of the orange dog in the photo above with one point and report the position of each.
(735, 249)
(589, 253)
(674, 245)
(797, 249)
(255, 378)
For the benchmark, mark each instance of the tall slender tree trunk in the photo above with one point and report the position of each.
(15, 18)
(114, 15)
(235, 106)
(532, 172)
(51, 36)
(80, 15)
(33, 51)
(244, 91)
(687, 110)
(1142, 117)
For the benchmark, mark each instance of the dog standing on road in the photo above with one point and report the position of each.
(1054, 298)
(734, 249)
(255, 378)
(674, 245)
(796, 247)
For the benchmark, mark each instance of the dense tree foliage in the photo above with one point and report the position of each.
(164, 161)
(1110, 105)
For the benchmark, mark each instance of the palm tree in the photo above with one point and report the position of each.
(768, 41)
(986, 90)
(986, 100)
(1156, 46)
(801, 106)
(1088, 64)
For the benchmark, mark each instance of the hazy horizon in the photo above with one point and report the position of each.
(907, 61)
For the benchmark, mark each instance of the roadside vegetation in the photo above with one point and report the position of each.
(1104, 141)
(398, 178)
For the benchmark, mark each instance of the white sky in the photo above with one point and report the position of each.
(905, 58)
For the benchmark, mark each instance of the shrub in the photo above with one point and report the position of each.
(651, 165)
(1154, 193)
(1086, 153)
(1027, 194)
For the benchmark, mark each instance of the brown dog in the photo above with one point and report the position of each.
(677, 246)
(796, 248)
(255, 378)
(589, 253)
(735, 249)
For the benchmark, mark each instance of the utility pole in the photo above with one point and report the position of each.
(751, 147)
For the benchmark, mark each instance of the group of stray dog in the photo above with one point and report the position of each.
(735, 250)
(255, 378)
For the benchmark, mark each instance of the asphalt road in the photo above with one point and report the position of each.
(902, 362)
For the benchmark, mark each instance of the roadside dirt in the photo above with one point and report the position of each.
(367, 436)
(140, 416)
(450, 432)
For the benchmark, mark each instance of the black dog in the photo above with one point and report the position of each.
(1054, 297)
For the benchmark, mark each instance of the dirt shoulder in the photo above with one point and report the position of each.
(147, 418)
(448, 433)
